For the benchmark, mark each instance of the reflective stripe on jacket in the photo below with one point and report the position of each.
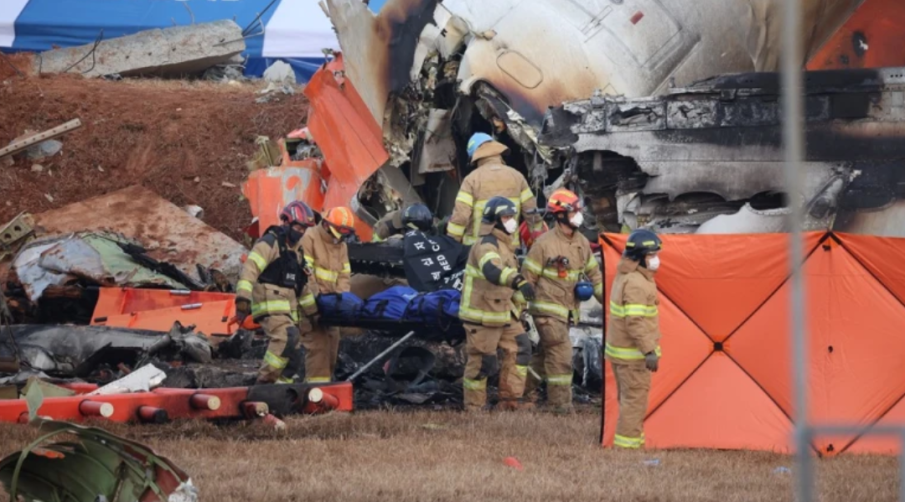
(328, 259)
(269, 299)
(555, 288)
(491, 178)
(489, 300)
(634, 326)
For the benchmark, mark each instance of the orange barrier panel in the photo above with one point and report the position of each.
(724, 380)
(872, 37)
(157, 310)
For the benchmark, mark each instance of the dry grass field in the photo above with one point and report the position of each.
(449, 456)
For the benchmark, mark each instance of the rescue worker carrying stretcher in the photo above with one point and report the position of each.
(273, 285)
(327, 255)
(492, 177)
(633, 334)
(488, 313)
(555, 266)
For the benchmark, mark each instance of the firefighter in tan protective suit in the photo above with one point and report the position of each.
(555, 266)
(388, 226)
(273, 287)
(633, 334)
(489, 314)
(327, 255)
(491, 178)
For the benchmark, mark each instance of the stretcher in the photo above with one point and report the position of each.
(400, 308)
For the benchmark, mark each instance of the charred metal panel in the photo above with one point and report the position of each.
(724, 137)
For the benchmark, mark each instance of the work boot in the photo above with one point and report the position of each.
(476, 410)
(561, 410)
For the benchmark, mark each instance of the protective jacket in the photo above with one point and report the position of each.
(491, 178)
(553, 266)
(328, 259)
(274, 278)
(389, 225)
(487, 297)
(634, 325)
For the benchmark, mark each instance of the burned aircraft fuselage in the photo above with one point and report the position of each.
(708, 158)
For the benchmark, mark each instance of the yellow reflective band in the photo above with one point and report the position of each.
(473, 272)
(376, 238)
(598, 289)
(274, 306)
(275, 361)
(469, 240)
(487, 257)
(533, 266)
(522, 371)
(649, 243)
(307, 300)
(470, 384)
(258, 260)
(526, 195)
(284, 380)
(309, 260)
(591, 265)
(244, 286)
(627, 442)
(294, 315)
(456, 230)
(559, 379)
(633, 310)
(627, 353)
(325, 275)
(548, 308)
(317, 379)
(553, 274)
(465, 198)
(347, 268)
(507, 274)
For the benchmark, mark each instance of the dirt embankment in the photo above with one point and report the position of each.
(181, 139)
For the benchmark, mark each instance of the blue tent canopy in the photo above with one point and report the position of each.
(294, 31)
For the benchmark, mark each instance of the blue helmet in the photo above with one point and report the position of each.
(584, 290)
(477, 139)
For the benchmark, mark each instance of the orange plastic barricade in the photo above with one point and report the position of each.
(157, 310)
(724, 378)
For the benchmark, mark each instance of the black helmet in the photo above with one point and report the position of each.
(419, 217)
(498, 207)
(640, 243)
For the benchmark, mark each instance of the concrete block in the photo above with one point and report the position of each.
(176, 51)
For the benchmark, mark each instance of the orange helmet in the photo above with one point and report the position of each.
(341, 220)
(563, 201)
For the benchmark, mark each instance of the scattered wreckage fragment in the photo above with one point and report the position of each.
(96, 465)
(708, 158)
(165, 404)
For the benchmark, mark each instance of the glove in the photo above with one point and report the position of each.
(243, 309)
(525, 287)
(652, 361)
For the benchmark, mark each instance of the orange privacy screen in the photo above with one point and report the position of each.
(725, 376)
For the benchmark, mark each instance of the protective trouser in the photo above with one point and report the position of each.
(553, 362)
(482, 362)
(321, 351)
(633, 383)
(284, 338)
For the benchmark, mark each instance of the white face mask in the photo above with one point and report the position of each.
(653, 264)
(577, 220)
(511, 226)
